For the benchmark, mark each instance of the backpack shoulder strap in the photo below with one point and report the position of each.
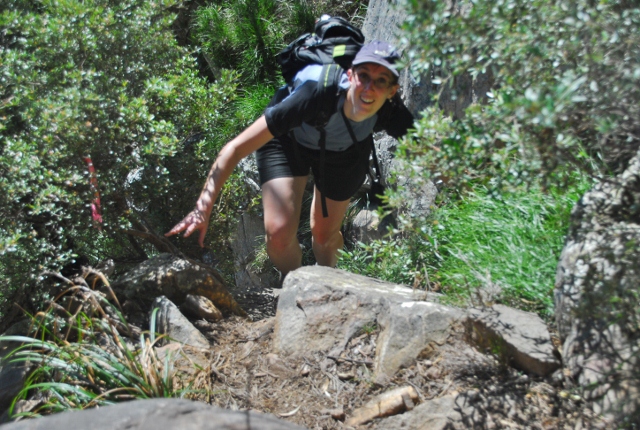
(329, 88)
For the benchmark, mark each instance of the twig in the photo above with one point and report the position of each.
(349, 360)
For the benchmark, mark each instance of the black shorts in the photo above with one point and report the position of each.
(344, 171)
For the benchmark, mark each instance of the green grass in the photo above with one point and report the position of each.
(513, 243)
(88, 363)
(509, 243)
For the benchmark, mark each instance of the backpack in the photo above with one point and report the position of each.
(334, 44)
(334, 40)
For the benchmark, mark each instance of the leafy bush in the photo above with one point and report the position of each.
(565, 88)
(107, 81)
(564, 96)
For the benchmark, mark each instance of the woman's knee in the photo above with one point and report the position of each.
(322, 236)
(279, 235)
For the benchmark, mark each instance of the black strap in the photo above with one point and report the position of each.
(328, 85)
(323, 151)
(355, 142)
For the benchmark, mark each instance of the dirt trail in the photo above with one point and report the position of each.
(318, 391)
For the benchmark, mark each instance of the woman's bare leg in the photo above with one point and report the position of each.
(282, 202)
(327, 238)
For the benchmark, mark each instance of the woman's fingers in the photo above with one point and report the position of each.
(192, 222)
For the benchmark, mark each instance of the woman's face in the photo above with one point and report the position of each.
(371, 86)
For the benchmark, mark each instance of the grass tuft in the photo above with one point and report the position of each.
(101, 368)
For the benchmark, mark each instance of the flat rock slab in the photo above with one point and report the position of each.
(518, 336)
(320, 309)
(156, 414)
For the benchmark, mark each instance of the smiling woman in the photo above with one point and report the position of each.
(290, 145)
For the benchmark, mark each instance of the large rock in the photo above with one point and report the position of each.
(175, 277)
(156, 414)
(596, 295)
(383, 20)
(12, 378)
(171, 322)
(366, 226)
(247, 240)
(518, 337)
(321, 309)
(419, 194)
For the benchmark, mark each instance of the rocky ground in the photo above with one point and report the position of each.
(459, 385)
(318, 392)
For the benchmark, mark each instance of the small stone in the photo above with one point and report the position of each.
(558, 378)
(202, 307)
(473, 395)
(433, 372)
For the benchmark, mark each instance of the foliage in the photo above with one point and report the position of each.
(565, 90)
(246, 35)
(511, 242)
(564, 95)
(105, 80)
(100, 368)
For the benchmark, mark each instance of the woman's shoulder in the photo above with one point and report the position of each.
(314, 73)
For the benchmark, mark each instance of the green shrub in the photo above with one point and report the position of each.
(100, 368)
(105, 80)
(565, 91)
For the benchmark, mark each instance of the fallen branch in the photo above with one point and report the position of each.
(349, 360)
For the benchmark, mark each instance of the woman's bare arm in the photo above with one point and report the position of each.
(251, 139)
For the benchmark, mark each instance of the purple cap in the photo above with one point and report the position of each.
(378, 52)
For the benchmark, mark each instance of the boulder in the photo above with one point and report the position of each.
(517, 337)
(596, 295)
(321, 309)
(366, 226)
(418, 193)
(155, 414)
(171, 322)
(382, 22)
(12, 379)
(175, 277)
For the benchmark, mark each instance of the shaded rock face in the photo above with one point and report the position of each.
(156, 414)
(322, 309)
(518, 337)
(382, 22)
(596, 295)
(174, 277)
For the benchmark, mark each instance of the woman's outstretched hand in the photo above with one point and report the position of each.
(195, 220)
